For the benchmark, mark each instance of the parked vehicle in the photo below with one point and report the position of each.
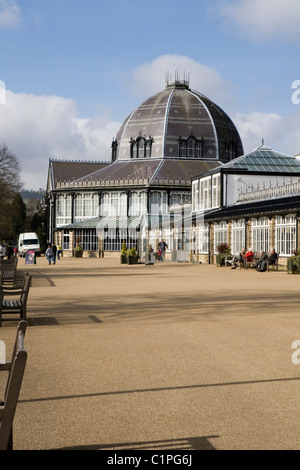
(29, 241)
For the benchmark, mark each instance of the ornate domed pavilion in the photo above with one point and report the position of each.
(177, 123)
(172, 137)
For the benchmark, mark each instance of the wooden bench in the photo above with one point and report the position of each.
(8, 271)
(257, 257)
(15, 370)
(231, 260)
(276, 264)
(252, 263)
(9, 304)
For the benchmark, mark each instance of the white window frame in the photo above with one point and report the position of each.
(238, 230)
(195, 196)
(216, 191)
(285, 234)
(137, 203)
(205, 193)
(220, 234)
(63, 209)
(114, 204)
(261, 234)
(203, 239)
(85, 206)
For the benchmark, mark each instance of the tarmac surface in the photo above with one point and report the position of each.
(174, 356)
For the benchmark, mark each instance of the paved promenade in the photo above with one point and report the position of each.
(165, 357)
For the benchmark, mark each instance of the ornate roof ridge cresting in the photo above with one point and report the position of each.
(122, 182)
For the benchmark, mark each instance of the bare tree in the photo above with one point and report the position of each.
(10, 184)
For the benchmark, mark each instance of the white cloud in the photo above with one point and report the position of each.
(149, 78)
(254, 127)
(10, 14)
(262, 19)
(37, 128)
(279, 132)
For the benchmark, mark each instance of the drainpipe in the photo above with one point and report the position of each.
(209, 239)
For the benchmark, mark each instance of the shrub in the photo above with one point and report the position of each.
(124, 249)
(223, 248)
(132, 252)
(293, 264)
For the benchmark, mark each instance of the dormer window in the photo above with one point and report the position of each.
(230, 150)
(140, 147)
(114, 147)
(191, 147)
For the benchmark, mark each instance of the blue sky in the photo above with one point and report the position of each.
(73, 70)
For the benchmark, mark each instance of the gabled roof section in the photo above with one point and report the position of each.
(69, 170)
(125, 170)
(264, 160)
(185, 169)
(151, 172)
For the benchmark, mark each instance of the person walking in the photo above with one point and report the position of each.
(59, 251)
(54, 249)
(162, 246)
(49, 254)
(9, 251)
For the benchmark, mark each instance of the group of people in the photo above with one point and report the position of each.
(160, 253)
(262, 261)
(161, 248)
(52, 251)
(6, 251)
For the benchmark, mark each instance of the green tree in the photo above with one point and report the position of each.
(38, 224)
(17, 216)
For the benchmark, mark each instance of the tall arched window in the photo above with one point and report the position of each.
(114, 147)
(140, 147)
(230, 149)
(114, 204)
(191, 147)
(261, 234)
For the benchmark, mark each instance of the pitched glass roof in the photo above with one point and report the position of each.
(265, 160)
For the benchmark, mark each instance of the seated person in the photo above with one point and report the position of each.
(271, 259)
(249, 256)
(263, 256)
(239, 259)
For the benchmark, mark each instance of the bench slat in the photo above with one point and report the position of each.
(9, 305)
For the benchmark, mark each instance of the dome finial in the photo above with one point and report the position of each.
(177, 82)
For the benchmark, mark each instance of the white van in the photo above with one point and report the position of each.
(28, 241)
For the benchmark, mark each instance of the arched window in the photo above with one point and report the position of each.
(261, 234)
(114, 147)
(63, 209)
(114, 204)
(140, 147)
(134, 204)
(230, 149)
(191, 147)
(138, 204)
